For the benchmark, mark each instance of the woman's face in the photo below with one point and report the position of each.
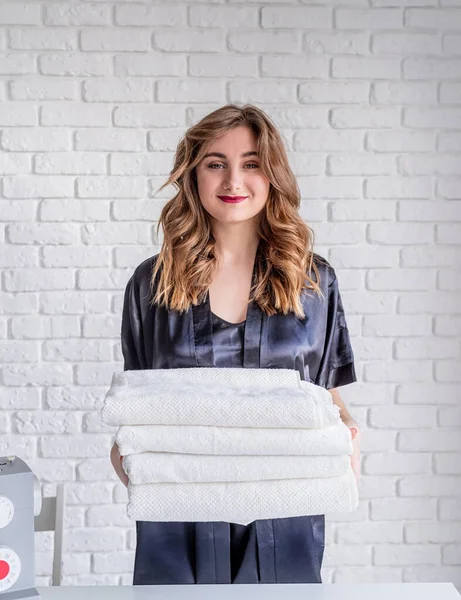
(231, 174)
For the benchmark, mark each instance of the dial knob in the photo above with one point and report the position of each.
(10, 568)
(6, 511)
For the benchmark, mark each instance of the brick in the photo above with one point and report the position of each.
(96, 469)
(74, 209)
(398, 372)
(110, 140)
(38, 327)
(432, 533)
(70, 15)
(76, 114)
(428, 165)
(17, 64)
(396, 464)
(370, 533)
(39, 374)
(76, 256)
(196, 90)
(338, 42)
(97, 539)
(43, 39)
(376, 18)
(154, 16)
(19, 256)
(367, 575)
(43, 233)
(76, 446)
(441, 118)
(290, 17)
(295, 67)
(402, 555)
(403, 141)
(115, 40)
(77, 350)
(429, 18)
(77, 65)
(74, 398)
(396, 509)
(20, 13)
(427, 394)
(43, 88)
(373, 117)
(117, 90)
(157, 65)
(151, 116)
(30, 140)
(358, 210)
(187, 40)
(429, 441)
(112, 515)
(279, 42)
(406, 43)
(432, 486)
(113, 562)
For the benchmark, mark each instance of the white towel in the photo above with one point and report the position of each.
(242, 502)
(159, 467)
(229, 376)
(158, 397)
(196, 439)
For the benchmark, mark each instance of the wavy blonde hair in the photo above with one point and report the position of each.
(187, 258)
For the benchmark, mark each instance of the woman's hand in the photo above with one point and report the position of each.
(116, 461)
(355, 458)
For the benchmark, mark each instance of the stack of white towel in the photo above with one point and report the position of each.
(229, 444)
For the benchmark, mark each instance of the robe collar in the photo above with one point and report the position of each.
(203, 332)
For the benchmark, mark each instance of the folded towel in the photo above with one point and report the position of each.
(258, 441)
(228, 376)
(162, 399)
(158, 467)
(242, 502)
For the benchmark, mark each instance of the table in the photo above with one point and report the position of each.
(290, 591)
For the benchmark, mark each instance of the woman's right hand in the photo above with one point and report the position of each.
(116, 461)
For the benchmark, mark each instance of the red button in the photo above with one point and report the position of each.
(4, 569)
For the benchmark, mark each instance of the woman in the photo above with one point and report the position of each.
(236, 284)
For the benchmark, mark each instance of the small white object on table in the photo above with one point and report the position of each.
(285, 591)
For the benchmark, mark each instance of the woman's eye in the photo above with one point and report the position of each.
(220, 165)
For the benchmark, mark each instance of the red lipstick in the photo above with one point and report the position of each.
(232, 199)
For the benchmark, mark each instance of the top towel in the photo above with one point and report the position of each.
(226, 397)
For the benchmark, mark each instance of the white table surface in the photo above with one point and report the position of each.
(291, 591)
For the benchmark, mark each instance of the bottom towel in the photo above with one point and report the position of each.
(242, 502)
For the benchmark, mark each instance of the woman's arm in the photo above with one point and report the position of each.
(353, 426)
(116, 461)
(344, 413)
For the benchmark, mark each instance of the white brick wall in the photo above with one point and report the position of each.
(367, 94)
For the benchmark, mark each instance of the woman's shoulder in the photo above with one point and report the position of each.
(142, 273)
(326, 271)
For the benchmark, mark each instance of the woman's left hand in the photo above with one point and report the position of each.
(355, 458)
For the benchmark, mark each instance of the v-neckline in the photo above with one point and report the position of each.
(203, 331)
(224, 320)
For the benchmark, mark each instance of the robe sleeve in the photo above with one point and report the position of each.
(337, 363)
(131, 331)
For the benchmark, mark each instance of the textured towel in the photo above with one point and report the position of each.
(196, 439)
(228, 376)
(160, 397)
(242, 502)
(158, 467)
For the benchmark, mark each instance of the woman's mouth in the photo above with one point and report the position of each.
(232, 199)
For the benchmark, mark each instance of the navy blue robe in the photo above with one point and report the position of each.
(288, 550)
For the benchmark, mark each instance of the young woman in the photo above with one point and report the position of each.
(236, 284)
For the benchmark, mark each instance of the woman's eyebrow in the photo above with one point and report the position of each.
(221, 155)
